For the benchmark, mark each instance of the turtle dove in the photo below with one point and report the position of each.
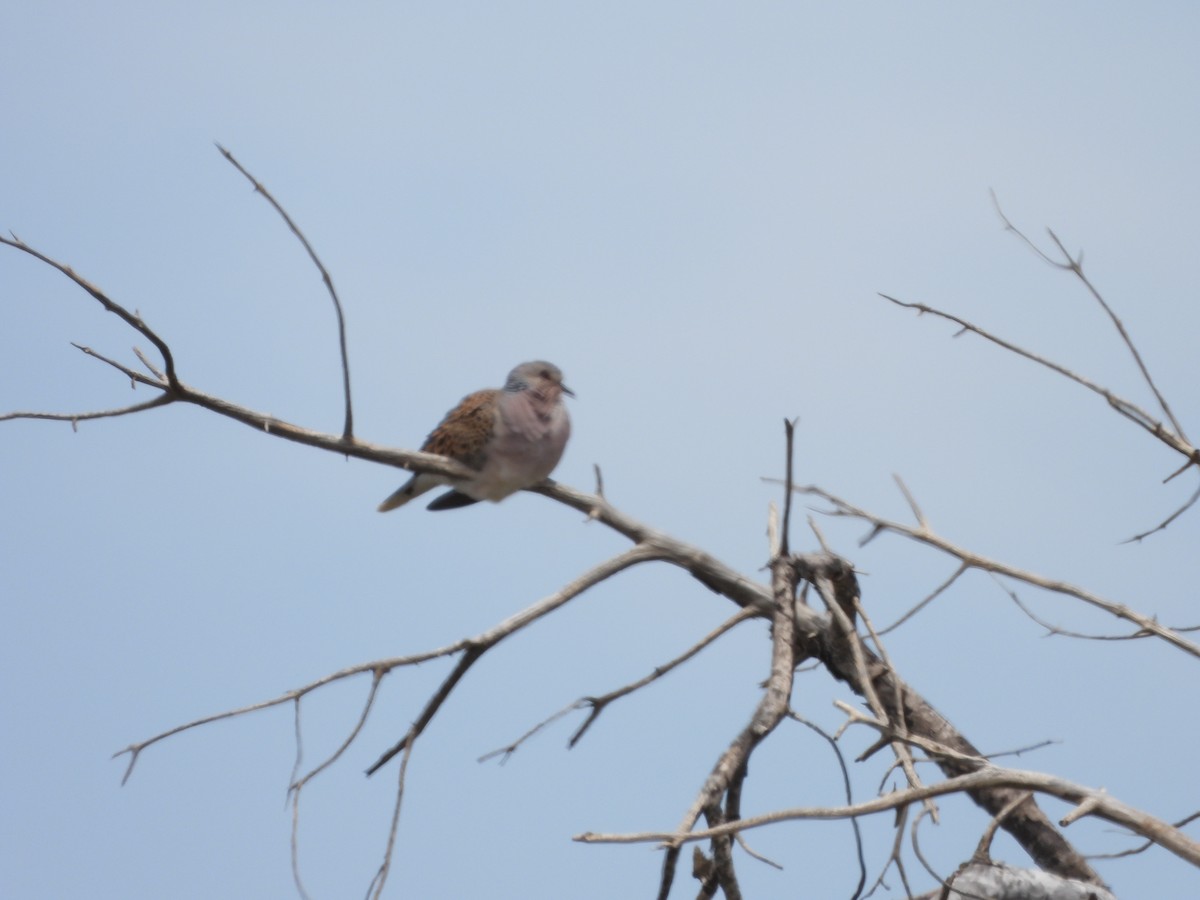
(513, 437)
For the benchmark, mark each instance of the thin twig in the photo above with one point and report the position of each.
(1074, 264)
(1143, 847)
(1188, 504)
(135, 378)
(983, 848)
(470, 656)
(348, 429)
(1129, 410)
(976, 561)
(937, 592)
(134, 750)
(837, 752)
(153, 369)
(131, 319)
(789, 431)
(912, 502)
(295, 841)
(375, 889)
(597, 705)
(160, 400)
(1107, 808)
(933, 873)
(298, 783)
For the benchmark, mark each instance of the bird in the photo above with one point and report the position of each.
(512, 436)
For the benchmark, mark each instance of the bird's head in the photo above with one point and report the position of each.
(542, 378)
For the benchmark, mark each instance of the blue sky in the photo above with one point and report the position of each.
(690, 208)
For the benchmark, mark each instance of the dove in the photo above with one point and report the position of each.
(512, 436)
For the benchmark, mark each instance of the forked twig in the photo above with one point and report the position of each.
(1173, 439)
(975, 561)
(1074, 264)
(596, 705)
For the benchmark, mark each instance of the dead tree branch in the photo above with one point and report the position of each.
(989, 777)
(597, 705)
(1147, 625)
(1173, 435)
(1074, 265)
(1131, 411)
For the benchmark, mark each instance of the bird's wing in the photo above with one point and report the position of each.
(465, 432)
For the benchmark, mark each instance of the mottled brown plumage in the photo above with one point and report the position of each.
(464, 432)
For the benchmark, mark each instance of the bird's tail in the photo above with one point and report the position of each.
(414, 487)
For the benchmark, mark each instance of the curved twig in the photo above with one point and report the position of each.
(348, 427)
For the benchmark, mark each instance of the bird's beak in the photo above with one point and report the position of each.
(566, 390)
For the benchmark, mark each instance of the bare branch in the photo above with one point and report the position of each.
(837, 752)
(1107, 808)
(73, 418)
(1173, 439)
(836, 583)
(298, 782)
(475, 647)
(1052, 629)
(1074, 264)
(894, 857)
(434, 703)
(1188, 504)
(348, 428)
(507, 751)
(382, 666)
(1141, 848)
(933, 873)
(975, 561)
(295, 841)
(385, 865)
(983, 848)
(471, 648)
(135, 378)
(937, 592)
(789, 430)
(771, 710)
(1021, 751)
(134, 321)
(153, 369)
(912, 502)
(597, 705)
(899, 726)
(1030, 826)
